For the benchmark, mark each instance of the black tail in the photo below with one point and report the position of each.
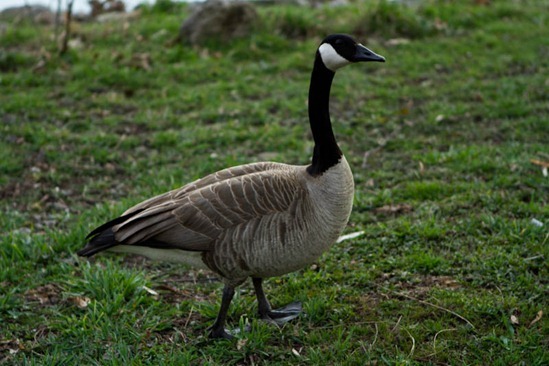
(98, 243)
(103, 238)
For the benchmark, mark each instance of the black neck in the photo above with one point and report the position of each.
(326, 153)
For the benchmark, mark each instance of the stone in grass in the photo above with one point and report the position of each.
(35, 13)
(218, 20)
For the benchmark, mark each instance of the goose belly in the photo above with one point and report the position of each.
(293, 252)
(191, 259)
(278, 244)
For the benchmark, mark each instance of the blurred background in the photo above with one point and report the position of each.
(447, 262)
(80, 6)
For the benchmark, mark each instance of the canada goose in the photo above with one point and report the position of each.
(256, 220)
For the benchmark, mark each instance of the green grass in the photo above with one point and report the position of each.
(454, 125)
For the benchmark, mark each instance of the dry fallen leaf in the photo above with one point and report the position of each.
(537, 318)
(241, 343)
(514, 320)
(150, 291)
(80, 302)
(543, 164)
(394, 209)
(40, 66)
(295, 352)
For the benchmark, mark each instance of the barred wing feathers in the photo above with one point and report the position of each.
(194, 216)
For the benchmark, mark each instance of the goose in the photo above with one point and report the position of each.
(256, 220)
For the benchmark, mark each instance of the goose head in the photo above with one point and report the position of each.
(338, 50)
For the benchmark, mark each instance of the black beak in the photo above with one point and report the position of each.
(364, 54)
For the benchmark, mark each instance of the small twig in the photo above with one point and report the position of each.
(435, 306)
(534, 257)
(41, 355)
(397, 323)
(435, 338)
(189, 317)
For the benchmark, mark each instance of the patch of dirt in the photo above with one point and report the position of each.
(13, 188)
(429, 282)
(8, 348)
(419, 286)
(131, 128)
(404, 286)
(23, 342)
(47, 295)
(398, 209)
(369, 301)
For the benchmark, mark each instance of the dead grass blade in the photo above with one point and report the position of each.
(436, 335)
(413, 344)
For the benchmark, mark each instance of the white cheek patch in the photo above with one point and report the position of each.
(331, 59)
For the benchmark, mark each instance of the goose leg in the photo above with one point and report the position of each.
(278, 316)
(217, 330)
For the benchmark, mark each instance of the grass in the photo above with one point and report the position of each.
(445, 141)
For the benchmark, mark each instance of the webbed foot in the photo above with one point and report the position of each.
(219, 333)
(283, 315)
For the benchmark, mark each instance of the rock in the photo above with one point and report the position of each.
(35, 13)
(220, 20)
(106, 6)
(76, 44)
(117, 17)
